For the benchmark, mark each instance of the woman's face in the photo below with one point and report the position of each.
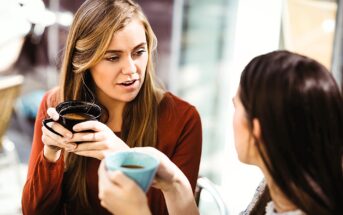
(120, 74)
(244, 142)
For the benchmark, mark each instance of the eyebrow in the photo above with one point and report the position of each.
(119, 51)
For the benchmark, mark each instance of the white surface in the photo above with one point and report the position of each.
(12, 177)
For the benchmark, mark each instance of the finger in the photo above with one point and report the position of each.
(88, 137)
(150, 151)
(161, 157)
(105, 185)
(47, 132)
(120, 179)
(102, 168)
(90, 146)
(108, 192)
(53, 143)
(89, 125)
(166, 170)
(154, 182)
(123, 183)
(60, 129)
(93, 154)
(102, 173)
(53, 113)
(55, 139)
(47, 140)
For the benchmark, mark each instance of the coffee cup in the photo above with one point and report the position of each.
(73, 112)
(138, 166)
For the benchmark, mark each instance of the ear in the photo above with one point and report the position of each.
(256, 131)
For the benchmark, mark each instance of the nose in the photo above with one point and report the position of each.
(129, 67)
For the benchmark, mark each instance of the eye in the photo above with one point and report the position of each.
(112, 58)
(140, 52)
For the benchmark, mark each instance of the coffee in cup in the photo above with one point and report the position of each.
(138, 166)
(73, 112)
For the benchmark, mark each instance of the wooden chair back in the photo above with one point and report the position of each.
(9, 91)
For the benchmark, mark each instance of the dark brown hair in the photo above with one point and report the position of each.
(300, 110)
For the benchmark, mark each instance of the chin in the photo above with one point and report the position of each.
(243, 158)
(129, 98)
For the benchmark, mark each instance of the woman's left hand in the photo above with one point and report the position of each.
(97, 142)
(119, 194)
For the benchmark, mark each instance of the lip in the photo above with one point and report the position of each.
(131, 86)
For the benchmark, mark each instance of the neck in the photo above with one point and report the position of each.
(115, 117)
(115, 111)
(281, 202)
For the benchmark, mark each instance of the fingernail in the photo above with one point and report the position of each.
(75, 128)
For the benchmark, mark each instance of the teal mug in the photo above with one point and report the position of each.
(138, 166)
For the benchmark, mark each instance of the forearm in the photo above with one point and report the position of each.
(43, 189)
(144, 210)
(180, 199)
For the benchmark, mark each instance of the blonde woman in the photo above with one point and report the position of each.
(108, 60)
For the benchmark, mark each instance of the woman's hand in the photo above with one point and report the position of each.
(168, 174)
(169, 178)
(97, 142)
(119, 194)
(53, 143)
(173, 183)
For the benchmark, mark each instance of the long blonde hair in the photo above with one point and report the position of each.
(91, 32)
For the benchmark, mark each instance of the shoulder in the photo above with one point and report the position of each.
(49, 99)
(52, 97)
(177, 112)
(259, 201)
(178, 124)
(170, 99)
(174, 105)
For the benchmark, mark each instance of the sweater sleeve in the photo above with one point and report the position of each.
(186, 155)
(42, 191)
(188, 149)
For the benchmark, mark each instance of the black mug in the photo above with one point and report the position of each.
(73, 112)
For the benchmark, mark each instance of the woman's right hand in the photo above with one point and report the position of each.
(169, 178)
(53, 143)
(168, 174)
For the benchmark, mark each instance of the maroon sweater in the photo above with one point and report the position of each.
(179, 137)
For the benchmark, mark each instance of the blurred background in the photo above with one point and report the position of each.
(202, 49)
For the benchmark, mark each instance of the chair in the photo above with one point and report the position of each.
(9, 91)
(204, 184)
(10, 177)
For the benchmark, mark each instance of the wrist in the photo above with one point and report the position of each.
(178, 185)
(144, 210)
(52, 154)
(180, 199)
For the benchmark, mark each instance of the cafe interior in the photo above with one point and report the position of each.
(202, 48)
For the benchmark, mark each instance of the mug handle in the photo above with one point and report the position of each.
(46, 121)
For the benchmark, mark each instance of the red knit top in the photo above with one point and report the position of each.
(179, 136)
